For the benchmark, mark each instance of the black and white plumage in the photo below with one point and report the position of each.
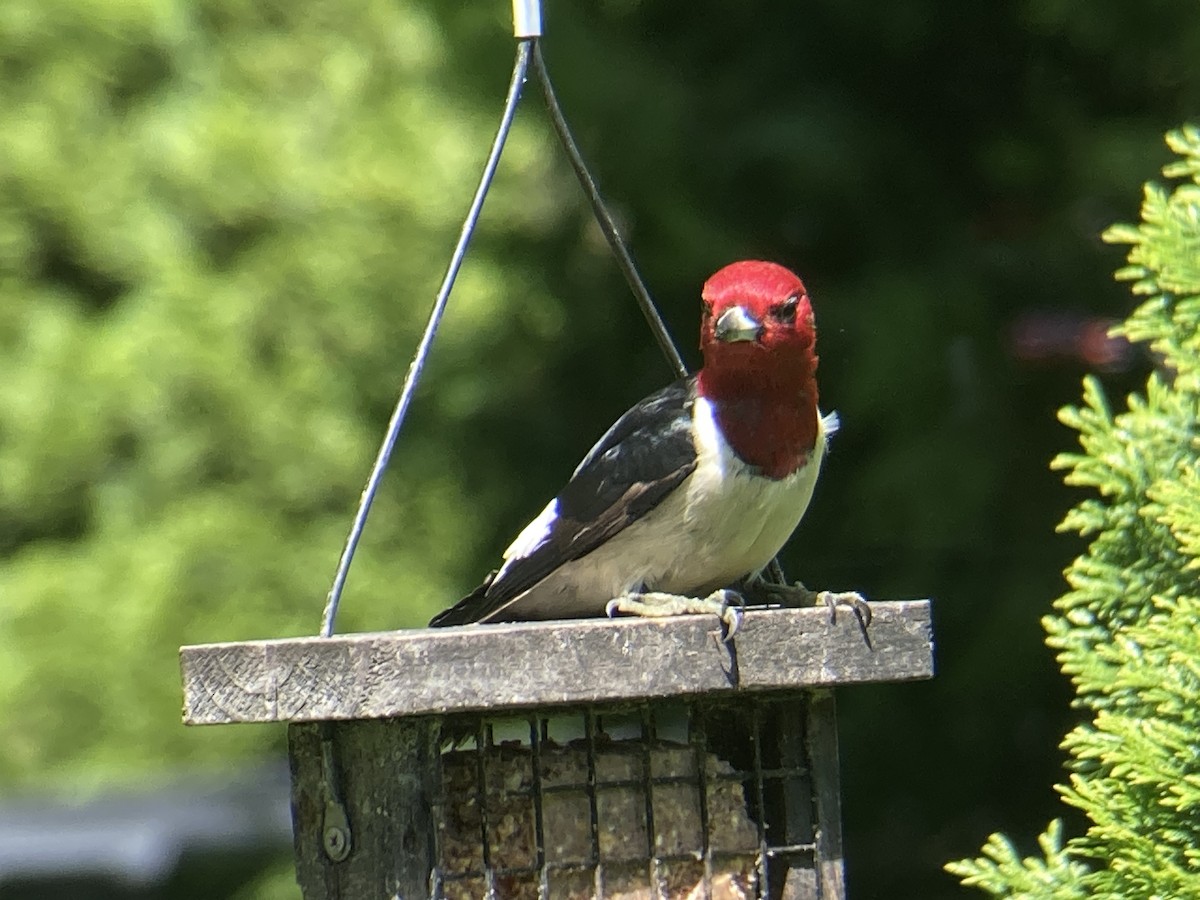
(694, 488)
(662, 503)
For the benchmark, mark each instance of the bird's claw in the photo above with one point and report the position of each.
(732, 612)
(851, 600)
(795, 595)
(727, 605)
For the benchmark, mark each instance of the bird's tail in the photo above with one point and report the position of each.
(463, 612)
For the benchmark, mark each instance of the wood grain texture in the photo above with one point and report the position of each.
(387, 773)
(528, 665)
(822, 737)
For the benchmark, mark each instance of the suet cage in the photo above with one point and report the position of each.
(625, 760)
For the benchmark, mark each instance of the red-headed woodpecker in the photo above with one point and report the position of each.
(694, 489)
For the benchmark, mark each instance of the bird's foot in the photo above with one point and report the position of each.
(727, 605)
(852, 600)
(760, 590)
(796, 595)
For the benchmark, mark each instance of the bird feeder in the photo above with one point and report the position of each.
(628, 759)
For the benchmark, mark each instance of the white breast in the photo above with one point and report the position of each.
(725, 521)
(736, 520)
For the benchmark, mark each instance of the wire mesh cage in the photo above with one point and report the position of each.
(707, 798)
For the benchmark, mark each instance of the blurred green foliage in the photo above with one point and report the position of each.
(1126, 630)
(221, 226)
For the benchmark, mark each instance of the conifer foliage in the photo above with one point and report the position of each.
(1126, 631)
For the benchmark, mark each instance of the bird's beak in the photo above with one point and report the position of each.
(735, 324)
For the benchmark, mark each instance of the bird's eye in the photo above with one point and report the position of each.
(785, 312)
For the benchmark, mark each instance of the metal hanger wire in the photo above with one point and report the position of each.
(527, 28)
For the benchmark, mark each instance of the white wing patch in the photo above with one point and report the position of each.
(531, 537)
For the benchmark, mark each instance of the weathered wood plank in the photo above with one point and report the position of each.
(821, 733)
(386, 776)
(499, 667)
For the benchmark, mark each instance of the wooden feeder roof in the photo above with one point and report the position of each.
(496, 668)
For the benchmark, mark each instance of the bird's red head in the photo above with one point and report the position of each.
(758, 337)
(757, 315)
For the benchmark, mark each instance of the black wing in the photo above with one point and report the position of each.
(646, 454)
